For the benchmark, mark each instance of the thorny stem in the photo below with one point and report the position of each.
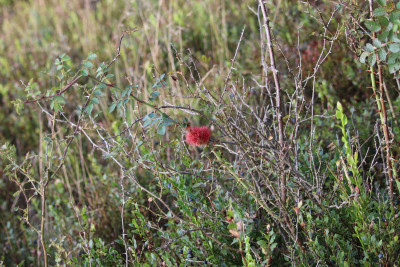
(59, 93)
(279, 120)
(383, 115)
(278, 95)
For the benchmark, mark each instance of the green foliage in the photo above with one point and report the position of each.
(386, 22)
(95, 139)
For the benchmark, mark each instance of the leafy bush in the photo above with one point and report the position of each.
(296, 172)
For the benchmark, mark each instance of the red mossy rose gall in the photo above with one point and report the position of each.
(197, 136)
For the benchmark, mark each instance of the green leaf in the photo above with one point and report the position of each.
(154, 95)
(373, 26)
(377, 43)
(392, 58)
(382, 54)
(166, 121)
(84, 72)
(381, 2)
(372, 60)
(112, 107)
(394, 38)
(394, 48)
(92, 56)
(162, 130)
(339, 112)
(380, 11)
(89, 108)
(101, 86)
(97, 92)
(394, 16)
(124, 93)
(59, 99)
(119, 104)
(232, 226)
(95, 101)
(363, 57)
(88, 64)
(383, 37)
(369, 47)
(394, 67)
(383, 21)
(398, 184)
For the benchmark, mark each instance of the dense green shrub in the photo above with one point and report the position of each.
(301, 168)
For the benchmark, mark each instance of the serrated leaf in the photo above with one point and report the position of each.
(373, 26)
(394, 38)
(383, 21)
(167, 121)
(392, 58)
(394, 48)
(394, 16)
(394, 67)
(372, 60)
(97, 92)
(381, 2)
(369, 47)
(382, 54)
(380, 11)
(377, 43)
(95, 101)
(383, 37)
(363, 57)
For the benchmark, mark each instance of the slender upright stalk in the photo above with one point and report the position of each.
(42, 220)
(277, 97)
(383, 114)
(279, 120)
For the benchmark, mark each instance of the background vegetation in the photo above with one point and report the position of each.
(303, 164)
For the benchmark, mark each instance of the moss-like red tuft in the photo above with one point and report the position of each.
(197, 136)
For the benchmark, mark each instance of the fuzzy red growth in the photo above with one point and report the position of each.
(197, 136)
